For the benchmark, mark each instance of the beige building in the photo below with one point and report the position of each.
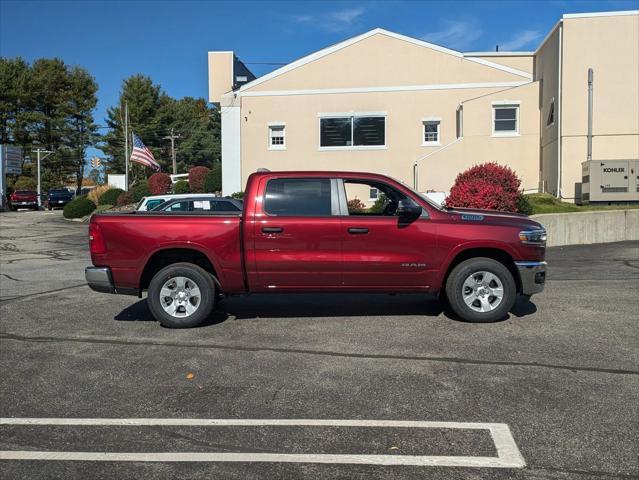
(422, 113)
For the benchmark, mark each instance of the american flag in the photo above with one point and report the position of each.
(141, 154)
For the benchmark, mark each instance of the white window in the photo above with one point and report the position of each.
(277, 137)
(430, 131)
(352, 131)
(505, 119)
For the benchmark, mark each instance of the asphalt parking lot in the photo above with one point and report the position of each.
(562, 373)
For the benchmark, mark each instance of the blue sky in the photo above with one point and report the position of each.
(168, 40)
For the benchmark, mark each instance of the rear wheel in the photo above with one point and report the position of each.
(181, 295)
(481, 290)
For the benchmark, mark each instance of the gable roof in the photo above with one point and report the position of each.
(346, 43)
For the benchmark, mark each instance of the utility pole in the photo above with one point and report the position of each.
(173, 137)
(38, 151)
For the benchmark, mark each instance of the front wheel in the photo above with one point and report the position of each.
(181, 295)
(481, 290)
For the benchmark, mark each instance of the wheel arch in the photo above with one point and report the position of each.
(497, 254)
(170, 255)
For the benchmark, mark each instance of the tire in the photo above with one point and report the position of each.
(473, 290)
(181, 280)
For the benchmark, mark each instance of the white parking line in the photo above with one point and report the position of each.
(508, 455)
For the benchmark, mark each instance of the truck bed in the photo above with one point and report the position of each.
(133, 238)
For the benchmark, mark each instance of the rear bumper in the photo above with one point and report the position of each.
(99, 279)
(532, 275)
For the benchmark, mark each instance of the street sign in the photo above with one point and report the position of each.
(12, 160)
(96, 162)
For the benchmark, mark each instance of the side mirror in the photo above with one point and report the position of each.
(408, 208)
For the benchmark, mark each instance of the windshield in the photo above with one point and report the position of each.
(430, 202)
(57, 192)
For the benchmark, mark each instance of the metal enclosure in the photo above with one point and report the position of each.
(610, 181)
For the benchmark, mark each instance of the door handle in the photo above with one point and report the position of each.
(272, 229)
(357, 231)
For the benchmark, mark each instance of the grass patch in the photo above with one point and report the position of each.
(546, 203)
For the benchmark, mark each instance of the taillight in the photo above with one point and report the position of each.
(96, 240)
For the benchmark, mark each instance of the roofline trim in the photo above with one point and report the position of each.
(600, 14)
(498, 54)
(346, 43)
(397, 88)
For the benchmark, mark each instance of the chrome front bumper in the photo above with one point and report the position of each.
(99, 279)
(532, 275)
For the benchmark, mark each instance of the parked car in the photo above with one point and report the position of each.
(200, 204)
(152, 201)
(296, 233)
(58, 198)
(24, 199)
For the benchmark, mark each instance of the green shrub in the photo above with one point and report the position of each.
(378, 206)
(238, 195)
(25, 183)
(213, 180)
(523, 205)
(125, 198)
(140, 191)
(78, 208)
(110, 197)
(181, 186)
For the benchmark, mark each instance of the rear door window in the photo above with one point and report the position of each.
(298, 197)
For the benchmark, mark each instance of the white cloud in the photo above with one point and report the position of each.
(457, 34)
(333, 21)
(520, 40)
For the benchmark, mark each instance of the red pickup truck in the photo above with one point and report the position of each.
(310, 232)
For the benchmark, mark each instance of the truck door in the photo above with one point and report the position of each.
(381, 249)
(297, 237)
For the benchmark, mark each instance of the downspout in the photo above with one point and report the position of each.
(561, 48)
(590, 85)
(415, 165)
(460, 137)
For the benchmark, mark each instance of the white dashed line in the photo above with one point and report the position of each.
(508, 455)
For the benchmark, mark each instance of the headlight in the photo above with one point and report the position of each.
(533, 237)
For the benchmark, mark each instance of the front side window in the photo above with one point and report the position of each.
(151, 204)
(276, 137)
(353, 131)
(384, 204)
(505, 119)
(298, 197)
(431, 132)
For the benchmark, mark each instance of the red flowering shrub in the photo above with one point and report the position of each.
(159, 183)
(487, 186)
(197, 178)
(125, 198)
(356, 206)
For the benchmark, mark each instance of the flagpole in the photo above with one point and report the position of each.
(126, 146)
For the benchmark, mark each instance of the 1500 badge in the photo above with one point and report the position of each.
(414, 265)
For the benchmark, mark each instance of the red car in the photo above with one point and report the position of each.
(24, 199)
(309, 232)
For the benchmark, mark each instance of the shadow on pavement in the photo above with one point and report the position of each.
(321, 305)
